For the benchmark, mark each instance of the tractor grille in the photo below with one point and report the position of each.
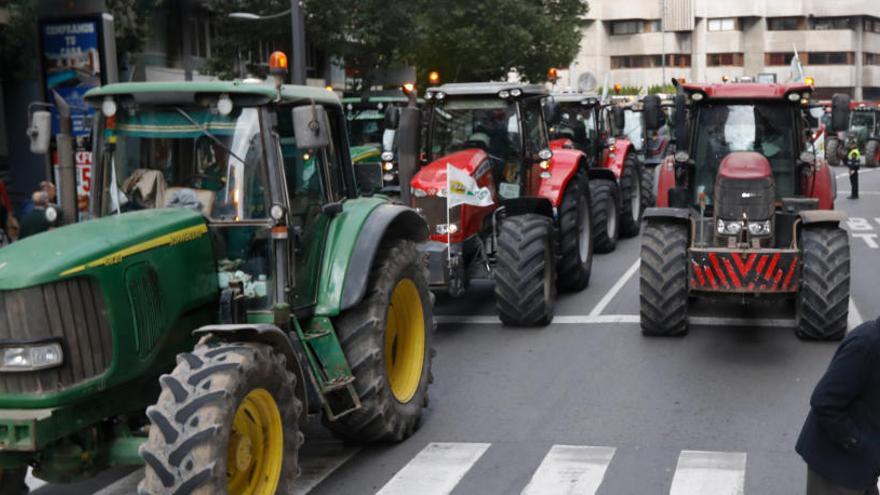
(754, 197)
(72, 310)
(433, 210)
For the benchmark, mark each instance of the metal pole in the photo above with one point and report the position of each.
(66, 164)
(298, 29)
(663, 40)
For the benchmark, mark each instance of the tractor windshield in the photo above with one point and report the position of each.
(633, 129)
(766, 128)
(366, 128)
(489, 124)
(576, 122)
(189, 158)
(862, 121)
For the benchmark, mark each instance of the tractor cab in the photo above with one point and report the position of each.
(372, 132)
(579, 123)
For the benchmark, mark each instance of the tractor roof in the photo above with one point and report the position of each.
(186, 92)
(864, 105)
(759, 91)
(383, 96)
(575, 97)
(488, 88)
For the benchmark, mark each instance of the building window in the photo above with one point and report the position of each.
(785, 23)
(872, 25)
(780, 58)
(723, 24)
(635, 27)
(636, 61)
(830, 58)
(872, 59)
(677, 60)
(719, 59)
(826, 23)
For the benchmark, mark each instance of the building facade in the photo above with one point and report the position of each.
(648, 42)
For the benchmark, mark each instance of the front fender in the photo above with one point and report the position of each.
(563, 167)
(351, 245)
(614, 159)
(665, 181)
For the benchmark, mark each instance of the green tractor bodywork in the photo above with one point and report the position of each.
(864, 129)
(274, 261)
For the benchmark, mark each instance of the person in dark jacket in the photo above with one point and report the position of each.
(36, 221)
(840, 440)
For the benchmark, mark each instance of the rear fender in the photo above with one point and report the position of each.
(673, 214)
(665, 181)
(563, 167)
(270, 335)
(830, 217)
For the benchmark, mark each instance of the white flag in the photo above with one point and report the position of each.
(462, 189)
(796, 70)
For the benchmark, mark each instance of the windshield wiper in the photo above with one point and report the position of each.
(204, 130)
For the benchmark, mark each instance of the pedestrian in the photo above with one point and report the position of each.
(840, 440)
(36, 221)
(28, 205)
(8, 223)
(854, 161)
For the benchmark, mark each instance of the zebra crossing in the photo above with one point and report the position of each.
(565, 469)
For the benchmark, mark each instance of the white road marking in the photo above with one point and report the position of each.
(606, 299)
(570, 469)
(861, 172)
(718, 473)
(319, 462)
(436, 470)
(855, 317)
(868, 238)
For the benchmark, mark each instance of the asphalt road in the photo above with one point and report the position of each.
(588, 403)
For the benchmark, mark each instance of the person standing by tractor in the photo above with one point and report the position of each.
(840, 439)
(854, 161)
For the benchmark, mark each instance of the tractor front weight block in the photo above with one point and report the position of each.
(762, 271)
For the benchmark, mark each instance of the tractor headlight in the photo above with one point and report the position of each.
(446, 229)
(759, 228)
(30, 357)
(387, 156)
(732, 227)
(388, 166)
(419, 193)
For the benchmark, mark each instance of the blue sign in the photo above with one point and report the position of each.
(72, 66)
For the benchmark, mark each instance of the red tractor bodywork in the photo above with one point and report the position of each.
(614, 156)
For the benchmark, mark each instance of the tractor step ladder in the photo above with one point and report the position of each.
(330, 368)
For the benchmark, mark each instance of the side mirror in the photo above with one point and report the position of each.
(392, 117)
(618, 116)
(681, 134)
(652, 112)
(311, 127)
(40, 131)
(840, 112)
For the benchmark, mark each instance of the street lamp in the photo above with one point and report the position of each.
(298, 35)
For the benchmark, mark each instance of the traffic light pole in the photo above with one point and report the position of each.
(298, 30)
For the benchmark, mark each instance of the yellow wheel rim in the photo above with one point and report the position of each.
(405, 341)
(256, 446)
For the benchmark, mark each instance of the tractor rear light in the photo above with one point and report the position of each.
(760, 228)
(30, 357)
(732, 227)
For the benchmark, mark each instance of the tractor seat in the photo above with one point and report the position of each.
(205, 197)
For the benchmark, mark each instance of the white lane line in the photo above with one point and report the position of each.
(606, 299)
(855, 317)
(435, 470)
(718, 473)
(570, 469)
(320, 461)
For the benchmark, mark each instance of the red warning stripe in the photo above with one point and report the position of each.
(787, 283)
(771, 269)
(711, 278)
(698, 272)
(744, 268)
(714, 259)
(732, 273)
(760, 268)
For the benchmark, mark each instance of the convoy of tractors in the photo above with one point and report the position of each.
(260, 253)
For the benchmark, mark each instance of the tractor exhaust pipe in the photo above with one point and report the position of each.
(66, 164)
(408, 150)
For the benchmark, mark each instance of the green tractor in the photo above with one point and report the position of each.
(373, 134)
(230, 283)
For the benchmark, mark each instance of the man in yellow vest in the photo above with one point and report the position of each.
(854, 161)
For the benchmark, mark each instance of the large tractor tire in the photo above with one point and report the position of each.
(12, 481)
(663, 289)
(872, 153)
(832, 151)
(604, 205)
(227, 421)
(575, 236)
(631, 197)
(387, 339)
(525, 271)
(823, 298)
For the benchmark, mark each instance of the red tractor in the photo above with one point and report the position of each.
(530, 228)
(745, 210)
(619, 186)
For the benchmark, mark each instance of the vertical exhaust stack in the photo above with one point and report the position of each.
(66, 164)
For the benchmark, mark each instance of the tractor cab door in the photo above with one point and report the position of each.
(312, 179)
(534, 141)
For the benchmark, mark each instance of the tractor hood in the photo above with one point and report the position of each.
(71, 249)
(432, 177)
